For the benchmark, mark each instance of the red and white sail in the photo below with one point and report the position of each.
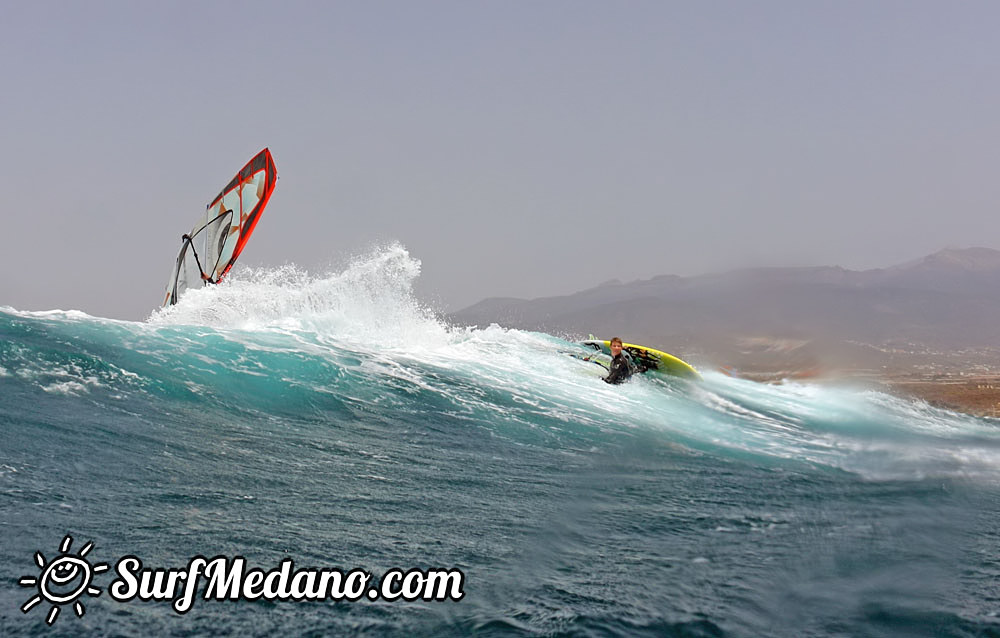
(218, 238)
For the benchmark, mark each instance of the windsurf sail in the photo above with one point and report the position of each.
(219, 236)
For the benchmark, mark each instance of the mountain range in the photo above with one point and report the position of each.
(945, 302)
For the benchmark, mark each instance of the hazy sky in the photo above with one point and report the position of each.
(510, 146)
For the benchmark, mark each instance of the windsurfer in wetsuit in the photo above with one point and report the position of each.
(621, 367)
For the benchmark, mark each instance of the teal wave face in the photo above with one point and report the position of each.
(510, 383)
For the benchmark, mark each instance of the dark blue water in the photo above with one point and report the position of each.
(334, 422)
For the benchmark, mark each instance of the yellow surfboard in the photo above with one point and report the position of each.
(649, 359)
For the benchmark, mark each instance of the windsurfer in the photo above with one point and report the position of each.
(621, 367)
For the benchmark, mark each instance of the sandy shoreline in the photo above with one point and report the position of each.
(976, 395)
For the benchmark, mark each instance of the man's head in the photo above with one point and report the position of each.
(616, 346)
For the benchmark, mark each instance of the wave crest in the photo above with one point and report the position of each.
(369, 301)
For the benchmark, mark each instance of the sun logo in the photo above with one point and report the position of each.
(63, 581)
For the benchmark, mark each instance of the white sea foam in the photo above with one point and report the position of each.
(69, 388)
(369, 302)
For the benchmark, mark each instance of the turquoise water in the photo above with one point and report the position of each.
(333, 420)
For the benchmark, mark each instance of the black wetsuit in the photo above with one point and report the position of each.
(620, 369)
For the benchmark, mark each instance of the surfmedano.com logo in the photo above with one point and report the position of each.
(63, 581)
(67, 578)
